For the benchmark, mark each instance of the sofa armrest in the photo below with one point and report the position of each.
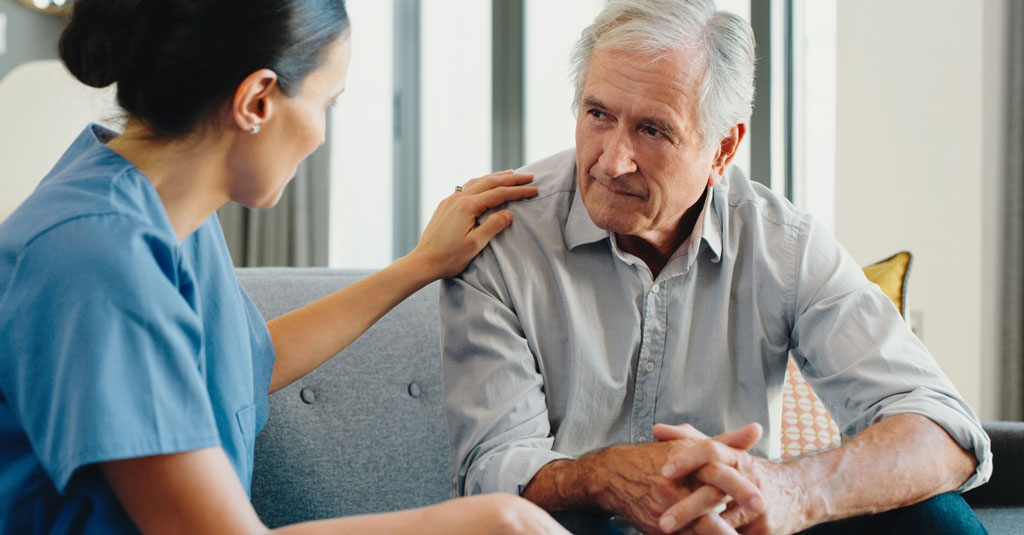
(1008, 467)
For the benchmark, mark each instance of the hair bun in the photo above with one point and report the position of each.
(98, 43)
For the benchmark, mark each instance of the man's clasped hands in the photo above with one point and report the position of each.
(687, 482)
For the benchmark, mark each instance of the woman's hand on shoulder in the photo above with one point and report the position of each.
(493, 514)
(453, 238)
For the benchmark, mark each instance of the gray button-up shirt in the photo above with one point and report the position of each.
(557, 343)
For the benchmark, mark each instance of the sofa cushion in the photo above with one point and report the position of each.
(891, 276)
(363, 433)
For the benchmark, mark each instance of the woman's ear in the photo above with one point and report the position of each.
(727, 148)
(253, 104)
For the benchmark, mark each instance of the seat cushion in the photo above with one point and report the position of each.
(364, 432)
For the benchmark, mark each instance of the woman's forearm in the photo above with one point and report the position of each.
(307, 337)
(397, 523)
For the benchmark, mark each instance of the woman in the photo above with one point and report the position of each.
(134, 370)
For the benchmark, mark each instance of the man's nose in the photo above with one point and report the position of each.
(617, 155)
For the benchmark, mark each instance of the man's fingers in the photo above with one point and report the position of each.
(728, 480)
(684, 461)
(712, 524)
(663, 432)
(738, 516)
(743, 438)
(704, 500)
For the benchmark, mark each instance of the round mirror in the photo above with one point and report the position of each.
(50, 7)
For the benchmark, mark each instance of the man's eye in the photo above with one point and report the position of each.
(650, 130)
(597, 114)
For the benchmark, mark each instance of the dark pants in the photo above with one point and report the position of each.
(944, 514)
(941, 515)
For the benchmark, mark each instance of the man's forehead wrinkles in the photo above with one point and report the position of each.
(667, 97)
(677, 67)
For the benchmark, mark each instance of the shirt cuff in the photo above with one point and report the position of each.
(510, 471)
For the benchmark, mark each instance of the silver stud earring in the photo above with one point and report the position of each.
(255, 129)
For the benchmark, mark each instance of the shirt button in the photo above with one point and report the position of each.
(307, 395)
(640, 439)
(414, 390)
(656, 288)
(649, 366)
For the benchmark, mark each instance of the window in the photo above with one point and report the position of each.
(361, 142)
(417, 116)
(551, 30)
(814, 109)
(455, 103)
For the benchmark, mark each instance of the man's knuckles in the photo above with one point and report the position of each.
(714, 472)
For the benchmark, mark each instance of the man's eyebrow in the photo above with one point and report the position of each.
(663, 126)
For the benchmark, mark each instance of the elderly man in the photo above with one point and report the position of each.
(651, 283)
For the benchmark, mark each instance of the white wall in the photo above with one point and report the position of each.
(917, 160)
(43, 108)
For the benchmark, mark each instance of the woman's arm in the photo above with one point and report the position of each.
(307, 337)
(198, 492)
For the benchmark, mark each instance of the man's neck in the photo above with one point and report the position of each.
(656, 250)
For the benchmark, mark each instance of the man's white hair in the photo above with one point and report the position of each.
(721, 43)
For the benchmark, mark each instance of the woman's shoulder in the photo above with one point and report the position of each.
(90, 186)
(89, 257)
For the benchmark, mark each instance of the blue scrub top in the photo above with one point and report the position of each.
(116, 341)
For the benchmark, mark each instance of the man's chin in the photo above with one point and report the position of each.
(616, 226)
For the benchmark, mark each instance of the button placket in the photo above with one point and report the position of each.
(648, 364)
(638, 428)
(655, 333)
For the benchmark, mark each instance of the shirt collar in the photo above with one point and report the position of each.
(714, 219)
(581, 230)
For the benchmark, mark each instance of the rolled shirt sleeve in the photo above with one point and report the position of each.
(107, 351)
(860, 356)
(494, 392)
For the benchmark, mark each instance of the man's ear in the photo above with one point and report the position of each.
(727, 148)
(253, 105)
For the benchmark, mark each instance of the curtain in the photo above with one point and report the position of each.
(1013, 239)
(293, 232)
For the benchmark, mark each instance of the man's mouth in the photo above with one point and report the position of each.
(617, 189)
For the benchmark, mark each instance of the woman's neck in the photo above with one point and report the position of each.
(188, 174)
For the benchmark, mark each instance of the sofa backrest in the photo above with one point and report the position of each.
(363, 433)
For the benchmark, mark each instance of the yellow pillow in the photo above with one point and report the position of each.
(891, 275)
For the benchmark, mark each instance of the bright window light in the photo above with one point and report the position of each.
(361, 145)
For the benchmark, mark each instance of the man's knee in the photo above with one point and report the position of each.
(586, 524)
(945, 514)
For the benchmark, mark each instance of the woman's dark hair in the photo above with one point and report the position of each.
(176, 61)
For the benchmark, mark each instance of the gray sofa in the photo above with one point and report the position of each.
(365, 432)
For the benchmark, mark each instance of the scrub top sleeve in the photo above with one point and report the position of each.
(108, 361)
